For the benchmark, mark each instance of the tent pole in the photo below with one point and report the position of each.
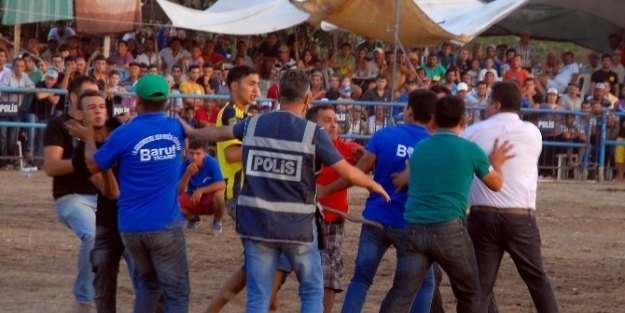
(395, 44)
(106, 46)
(17, 33)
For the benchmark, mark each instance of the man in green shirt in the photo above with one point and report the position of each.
(442, 168)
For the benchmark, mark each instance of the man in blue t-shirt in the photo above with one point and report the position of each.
(387, 151)
(201, 187)
(441, 170)
(148, 154)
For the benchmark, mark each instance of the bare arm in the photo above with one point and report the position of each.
(233, 153)
(365, 164)
(54, 164)
(110, 188)
(358, 178)
(212, 134)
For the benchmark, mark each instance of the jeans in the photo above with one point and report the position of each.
(77, 212)
(262, 261)
(35, 135)
(494, 233)
(105, 258)
(372, 246)
(447, 244)
(160, 259)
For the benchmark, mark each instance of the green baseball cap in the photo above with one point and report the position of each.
(151, 87)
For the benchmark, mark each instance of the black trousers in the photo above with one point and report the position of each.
(495, 233)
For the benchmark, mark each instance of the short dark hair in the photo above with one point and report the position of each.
(423, 104)
(313, 113)
(75, 85)
(86, 94)
(143, 65)
(99, 58)
(193, 67)
(114, 72)
(440, 89)
(508, 94)
(153, 105)
(294, 86)
(18, 60)
(449, 111)
(481, 82)
(69, 58)
(606, 56)
(381, 76)
(153, 66)
(189, 108)
(238, 72)
(346, 44)
(197, 144)
(176, 66)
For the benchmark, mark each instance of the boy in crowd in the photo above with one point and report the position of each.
(201, 187)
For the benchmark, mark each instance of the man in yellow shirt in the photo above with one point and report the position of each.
(191, 86)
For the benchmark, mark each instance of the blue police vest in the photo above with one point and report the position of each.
(277, 202)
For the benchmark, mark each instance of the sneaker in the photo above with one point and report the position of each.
(217, 228)
(194, 223)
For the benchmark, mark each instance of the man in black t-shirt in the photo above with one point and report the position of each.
(74, 195)
(108, 248)
(604, 74)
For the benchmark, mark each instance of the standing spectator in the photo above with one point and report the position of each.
(550, 126)
(361, 69)
(377, 64)
(526, 50)
(270, 47)
(74, 47)
(61, 33)
(478, 98)
(619, 151)
(209, 55)
(74, 195)
(593, 64)
(171, 55)
(206, 115)
(504, 221)
(489, 67)
(606, 73)
(41, 111)
(380, 119)
(17, 78)
(442, 168)
(285, 62)
(378, 94)
(262, 244)
(464, 61)
(149, 218)
(370, 45)
(191, 86)
(550, 66)
(150, 55)
(98, 72)
(33, 46)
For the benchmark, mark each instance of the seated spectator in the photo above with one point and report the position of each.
(551, 128)
(571, 99)
(475, 70)
(316, 86)
(478, 98)
(567, 73)
(377, 64)
(516, 73)
(270, 47)
(344, 62)
(355, 124)
(608, 94)
(51, 49)
(333, 92)
(379, 120)
(445, 57)
(150, 55)
(123, 57)
(191, 86)
(362, 69)
(604, 74)
(381, 93)
(599, 96)
(451, 77)
(488, 67)
(284, 61)
(206, 115)
(172, 55)
(550, 66)
(189, 115)
(433, 69)
(201, 187)
(573, 132)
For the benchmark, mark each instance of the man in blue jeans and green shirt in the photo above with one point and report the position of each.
(441, 170)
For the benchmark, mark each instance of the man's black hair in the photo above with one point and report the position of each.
(313, 113)
(508, 94)
(423, 104)
(238, 72)
(449, 111)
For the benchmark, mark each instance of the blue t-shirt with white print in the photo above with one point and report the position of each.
(208, 174)
(148, 153)
(392, 146)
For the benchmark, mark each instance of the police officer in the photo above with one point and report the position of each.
(276, 207)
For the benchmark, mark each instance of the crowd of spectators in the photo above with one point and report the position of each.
(195, 64)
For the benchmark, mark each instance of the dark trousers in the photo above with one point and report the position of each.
(495, 233)
(105, 256)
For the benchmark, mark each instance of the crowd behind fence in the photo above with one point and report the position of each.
(563, 158)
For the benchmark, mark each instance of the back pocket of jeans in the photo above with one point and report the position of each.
(451, 246)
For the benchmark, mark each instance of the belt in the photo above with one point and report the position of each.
(490, 209)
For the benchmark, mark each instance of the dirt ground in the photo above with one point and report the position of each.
(581, 224)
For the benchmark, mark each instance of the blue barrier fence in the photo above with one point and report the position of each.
(598, 164)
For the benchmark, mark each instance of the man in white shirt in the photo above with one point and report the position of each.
(571, 100)
(61, 33)
(150, 56)
(569, 72)
(173, 54)
(504, 221)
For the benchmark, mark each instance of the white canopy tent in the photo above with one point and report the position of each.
(421, 22)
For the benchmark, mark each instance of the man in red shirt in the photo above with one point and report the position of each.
(517, 73)
(334, 225)
(207, 114)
